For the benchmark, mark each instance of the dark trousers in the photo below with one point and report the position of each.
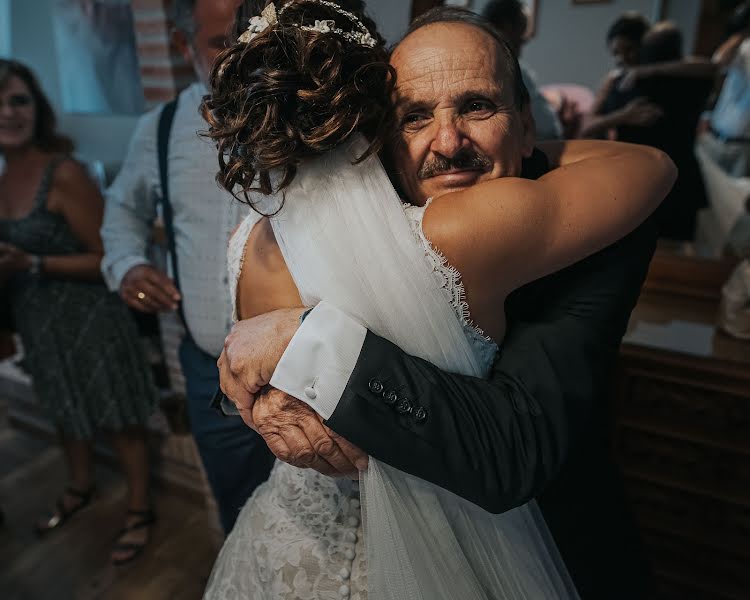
(236, 458)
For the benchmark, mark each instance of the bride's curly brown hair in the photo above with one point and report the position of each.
(292, 94)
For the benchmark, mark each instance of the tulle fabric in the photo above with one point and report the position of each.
(346, 240)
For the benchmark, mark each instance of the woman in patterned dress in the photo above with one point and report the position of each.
(81, 344)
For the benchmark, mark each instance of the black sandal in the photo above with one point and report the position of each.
(147, 518)
(63, 514)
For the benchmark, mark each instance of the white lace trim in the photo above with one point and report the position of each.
(449, 277)
(236, 256)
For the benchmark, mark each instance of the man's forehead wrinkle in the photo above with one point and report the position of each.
(436, 88)
(426, 72)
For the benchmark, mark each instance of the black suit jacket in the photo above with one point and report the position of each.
(537, 428)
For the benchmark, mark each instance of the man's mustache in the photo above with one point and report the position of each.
(463, 160)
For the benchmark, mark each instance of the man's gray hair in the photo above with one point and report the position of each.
(454, 14)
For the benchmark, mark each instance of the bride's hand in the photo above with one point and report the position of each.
(251, 352)
(295, 434)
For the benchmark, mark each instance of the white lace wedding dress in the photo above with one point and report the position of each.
(300, 536)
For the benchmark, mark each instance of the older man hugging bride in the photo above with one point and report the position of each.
(301, 106)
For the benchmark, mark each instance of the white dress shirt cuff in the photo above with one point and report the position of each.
(320, 359)
(113, 273)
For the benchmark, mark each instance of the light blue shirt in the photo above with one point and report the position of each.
(204, 217)
(731, 115)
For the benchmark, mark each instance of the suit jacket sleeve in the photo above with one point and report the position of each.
(500, 442)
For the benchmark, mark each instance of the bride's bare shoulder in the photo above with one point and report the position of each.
(265, 283)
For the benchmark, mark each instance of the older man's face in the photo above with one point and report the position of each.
(213, 22)
(458, 123)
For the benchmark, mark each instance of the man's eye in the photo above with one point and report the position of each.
(479, 106)
(413, 120)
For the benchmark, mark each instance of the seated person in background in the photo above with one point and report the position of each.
(662, 110)
(728, 138)
(510, 19)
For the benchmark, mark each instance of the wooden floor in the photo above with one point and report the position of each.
(73, 563)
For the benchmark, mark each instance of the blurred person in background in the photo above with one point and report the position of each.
(511, 20)
(235, 458)
(81, 344)
(658, 103)
(728, 138)
(624, 44)
(624, 41)
(737, 32)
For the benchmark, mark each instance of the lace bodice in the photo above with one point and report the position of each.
(236, 256)
(450, 282)
(447, 277)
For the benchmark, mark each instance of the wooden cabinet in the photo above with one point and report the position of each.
(682, 438)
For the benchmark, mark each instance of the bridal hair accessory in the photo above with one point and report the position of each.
(269, 17)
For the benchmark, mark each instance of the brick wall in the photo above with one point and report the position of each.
(163, 71)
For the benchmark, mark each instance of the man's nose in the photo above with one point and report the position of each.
(449, 138)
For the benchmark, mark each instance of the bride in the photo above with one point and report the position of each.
(300, 107)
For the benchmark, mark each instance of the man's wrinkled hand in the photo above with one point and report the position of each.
(295, 434)
(251, 352)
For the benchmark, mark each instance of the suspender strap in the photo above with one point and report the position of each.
(165, 127)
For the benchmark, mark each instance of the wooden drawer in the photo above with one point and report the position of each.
(692, 517)
(706, 572)
(707, 416)
(683, 465)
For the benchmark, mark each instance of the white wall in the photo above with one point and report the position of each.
(569, 44)
(31, 41)
(392, 17)
(5, 28)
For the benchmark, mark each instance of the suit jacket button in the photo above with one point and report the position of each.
(404, 406)
(376, 386)
(390, 398)
(420, 414)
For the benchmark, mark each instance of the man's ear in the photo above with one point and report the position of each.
(529, 131)
(181, 43)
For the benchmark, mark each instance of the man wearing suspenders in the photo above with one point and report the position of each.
(169, 164)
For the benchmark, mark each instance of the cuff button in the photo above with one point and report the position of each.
(420, 414)
(311, 393)
(390, 398)
(404, 406)
(376, 386)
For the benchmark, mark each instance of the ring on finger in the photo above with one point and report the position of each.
(140, 296)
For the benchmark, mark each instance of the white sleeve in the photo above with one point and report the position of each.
(130, 205)
(320, 358)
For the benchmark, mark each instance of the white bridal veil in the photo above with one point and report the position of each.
(346, 240)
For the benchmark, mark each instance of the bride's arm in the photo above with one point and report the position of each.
(599, 192)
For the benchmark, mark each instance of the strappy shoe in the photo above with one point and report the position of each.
(63, 513)
(146, 518)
